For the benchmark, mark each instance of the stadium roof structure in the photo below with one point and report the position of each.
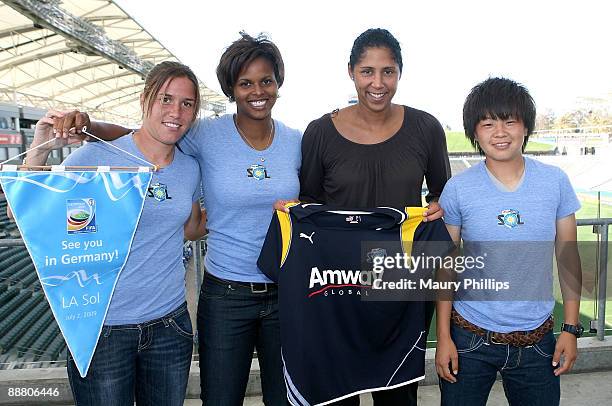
(85, 54)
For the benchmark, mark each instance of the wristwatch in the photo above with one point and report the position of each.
(576, 330)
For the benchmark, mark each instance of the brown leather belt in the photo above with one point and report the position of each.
(514, 338)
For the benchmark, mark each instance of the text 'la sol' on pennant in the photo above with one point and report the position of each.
(78, 228)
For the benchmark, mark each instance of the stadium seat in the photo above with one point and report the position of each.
(24, 345)
(21, 326)
(41, 345)
(16, 309)
(7, 295)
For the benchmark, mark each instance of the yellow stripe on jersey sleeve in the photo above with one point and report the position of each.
(409, 226)
(285, 225)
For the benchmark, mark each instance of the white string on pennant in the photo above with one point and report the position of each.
(28, 150)
(84, 131)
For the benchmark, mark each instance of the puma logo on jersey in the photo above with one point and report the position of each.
(308, 237)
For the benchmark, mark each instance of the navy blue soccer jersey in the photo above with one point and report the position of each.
(339, 335)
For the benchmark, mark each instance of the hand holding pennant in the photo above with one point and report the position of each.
(78, 227)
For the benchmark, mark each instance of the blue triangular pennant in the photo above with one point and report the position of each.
(78, 228)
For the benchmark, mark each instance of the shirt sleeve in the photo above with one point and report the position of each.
(568, 201)
(269, 261)
(449, 202)
(191, 142)
(438, 166)
(197, 193)
(312, 171)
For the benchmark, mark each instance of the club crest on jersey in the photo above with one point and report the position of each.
(510, 218)
(159, 192)
(353, 219)
(258, 172)
(376, 253)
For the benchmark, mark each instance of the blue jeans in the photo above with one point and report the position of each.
(527, 372)
(232, 321)
(147, 362)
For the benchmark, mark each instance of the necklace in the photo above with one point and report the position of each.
(245, 139)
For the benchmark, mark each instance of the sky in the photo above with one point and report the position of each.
(560, 50)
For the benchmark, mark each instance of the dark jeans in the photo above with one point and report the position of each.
(527, 372)
(403, 396)
(232, 321)
(147, 362)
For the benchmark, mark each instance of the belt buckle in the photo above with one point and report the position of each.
(493, 341)
(255, 290)
(489, 339)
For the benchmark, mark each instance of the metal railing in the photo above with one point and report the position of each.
(600, 226)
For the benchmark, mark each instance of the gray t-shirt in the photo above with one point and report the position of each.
(240, 186)
(514, 231)
(152, 283)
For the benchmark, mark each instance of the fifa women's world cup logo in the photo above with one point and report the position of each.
(81, 216)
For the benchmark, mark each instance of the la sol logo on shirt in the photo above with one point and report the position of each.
(257, 171)
(510, 218)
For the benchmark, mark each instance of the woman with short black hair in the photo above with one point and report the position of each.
(248, 160)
